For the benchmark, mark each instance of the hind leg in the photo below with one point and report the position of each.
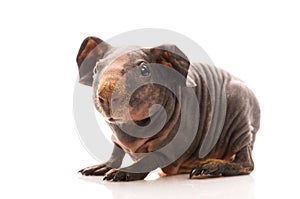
(241, 165)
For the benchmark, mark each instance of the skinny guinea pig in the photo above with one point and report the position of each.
(168, 113)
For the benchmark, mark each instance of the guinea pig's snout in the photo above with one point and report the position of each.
(108, 100)
(109, 94)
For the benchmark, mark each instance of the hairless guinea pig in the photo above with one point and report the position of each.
(168, 113)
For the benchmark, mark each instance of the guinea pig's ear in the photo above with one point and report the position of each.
(91, 50)
(171, 56)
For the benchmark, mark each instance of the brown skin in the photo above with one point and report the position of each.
(230, 156)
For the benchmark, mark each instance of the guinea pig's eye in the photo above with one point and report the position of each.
(95, 70)
(145, 71)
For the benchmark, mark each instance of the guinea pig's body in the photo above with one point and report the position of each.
(212, 135)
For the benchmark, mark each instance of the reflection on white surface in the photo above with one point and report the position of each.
(179, 186)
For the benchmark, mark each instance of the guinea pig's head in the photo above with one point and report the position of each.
(124, 79)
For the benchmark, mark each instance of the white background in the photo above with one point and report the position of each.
(40, 151)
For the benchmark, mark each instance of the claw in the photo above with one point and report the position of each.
(203, 171)
(109, 177)
(208, 169)
(96, 170)
(119, 176)
(192, 173)
(116, 179)
(198, 172)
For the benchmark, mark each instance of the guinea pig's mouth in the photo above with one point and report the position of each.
(140, 122)
(114, 120)
(143, 122)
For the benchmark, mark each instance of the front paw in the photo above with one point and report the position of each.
(97, 170)
(116, 175)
